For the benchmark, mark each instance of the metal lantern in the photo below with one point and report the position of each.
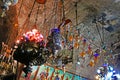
(55, 33)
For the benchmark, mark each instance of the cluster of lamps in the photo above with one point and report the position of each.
(107, 73)
(31, 49)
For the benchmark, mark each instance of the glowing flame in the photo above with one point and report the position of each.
(33, 35)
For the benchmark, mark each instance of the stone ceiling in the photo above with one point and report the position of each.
(51, 14)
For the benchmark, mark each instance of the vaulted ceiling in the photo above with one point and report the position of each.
(97, 21)
(86, 17)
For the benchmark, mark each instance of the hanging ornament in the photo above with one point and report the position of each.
(103, 51)
(88, 33)
(70, 47)
(81, 38)
(91, 64)
(89, 49)
(77, 37)
(65, 22)
(105, 60)
(76, 45)
(82, 54)
(93, 39)
(95, 59)
(114, 22)
(70, 38)
(105, 64)
(41, 1)
(63, 43)
(109, 28)
(97, 51)
(96, 54)
(103, 46)
(111, 51)
(84, 42)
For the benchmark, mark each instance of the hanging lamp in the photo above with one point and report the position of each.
(29, 47)
(41, 1)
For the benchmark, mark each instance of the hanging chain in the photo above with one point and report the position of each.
(44, 26)
(36, 19)
(76, 13)
(29, 15)
(63, 10)
(26, 22)
(31, 9)
(20, 7)
(55, 18)
(63, 19)
(99, 33)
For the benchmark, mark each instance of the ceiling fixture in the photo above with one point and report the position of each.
(41, 1)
